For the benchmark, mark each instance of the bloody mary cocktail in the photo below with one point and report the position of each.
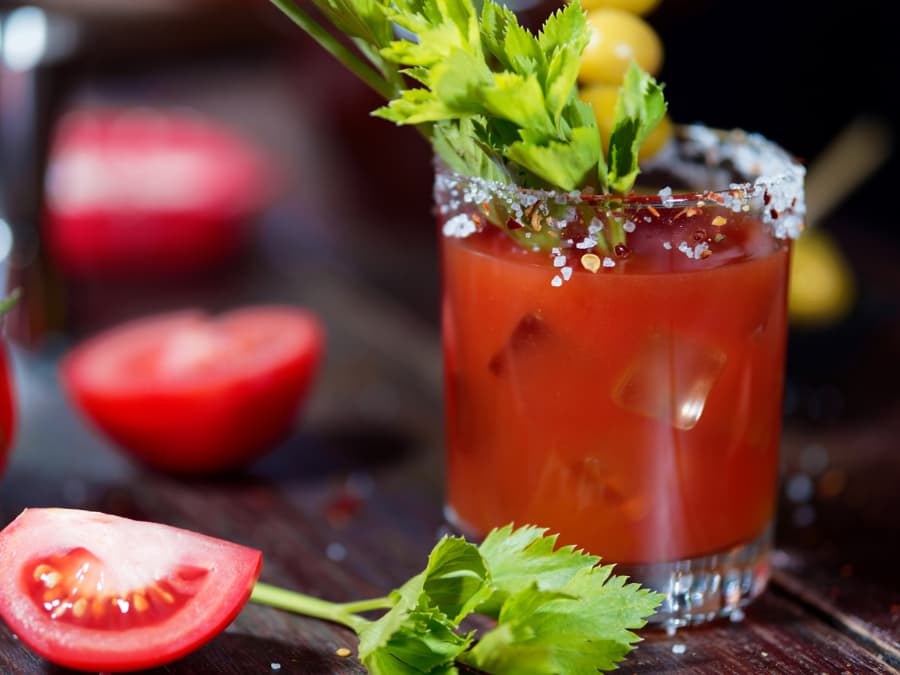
(633, 405)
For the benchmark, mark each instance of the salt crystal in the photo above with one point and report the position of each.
(666, 195)
(459, 226)
(276, 666)
(586, 244)
(678, 648)
(595, 226)
(566, 273)
(737, 615)
(687, 250)
(559, 261)
(336, 551)
(609, 262)
(629, 226)
(667, 245)
(557, 281)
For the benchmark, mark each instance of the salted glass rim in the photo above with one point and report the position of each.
(771, 180)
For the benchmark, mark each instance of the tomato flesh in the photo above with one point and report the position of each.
(97, 592)
(188, 393)
(71, 588)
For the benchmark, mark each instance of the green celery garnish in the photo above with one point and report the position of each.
(557, 611)
(496, 101)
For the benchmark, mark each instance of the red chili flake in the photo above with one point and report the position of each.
(793, 202)
(513, 224)
(342, 509)
(486, 207)
(705, 253)
(717, 198)
(690, 212)
(774, 213)
(653, 211)
(477, 220)
(699, 234)
(767, 198)
(622, 250)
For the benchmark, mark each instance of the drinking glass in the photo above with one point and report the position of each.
(627, 396)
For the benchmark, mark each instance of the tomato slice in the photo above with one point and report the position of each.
(190, 393)
(92, 591)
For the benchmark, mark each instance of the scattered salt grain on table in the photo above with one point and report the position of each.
(678, 648)
(276, 666)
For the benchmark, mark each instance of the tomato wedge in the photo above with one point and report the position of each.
(95, 592)
(190, 393)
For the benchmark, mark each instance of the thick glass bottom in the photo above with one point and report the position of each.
(701, 589)
(696, 590)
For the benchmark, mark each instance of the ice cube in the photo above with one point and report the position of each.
(530, 333)
(670, 380)
(587, 484)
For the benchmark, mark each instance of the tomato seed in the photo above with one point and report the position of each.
(157, 592)
(79, 608)
(140, 602)
(41, 570)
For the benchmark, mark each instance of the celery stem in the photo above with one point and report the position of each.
(366, 605)
(335, 48)
(265, 594)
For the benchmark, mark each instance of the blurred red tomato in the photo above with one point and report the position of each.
(189, 393)
(134, 193)
(7, 407)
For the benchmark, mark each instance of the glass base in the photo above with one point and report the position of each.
(701, 589)
(697, 590)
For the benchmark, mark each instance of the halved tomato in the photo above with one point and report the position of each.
(96, 592)
(140, 193)
(190, 393)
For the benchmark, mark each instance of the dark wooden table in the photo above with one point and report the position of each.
(350, 505)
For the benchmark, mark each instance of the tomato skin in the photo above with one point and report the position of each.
(213, 416)
(231, 571)
(7, 407)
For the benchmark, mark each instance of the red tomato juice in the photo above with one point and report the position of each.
(636, 410)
